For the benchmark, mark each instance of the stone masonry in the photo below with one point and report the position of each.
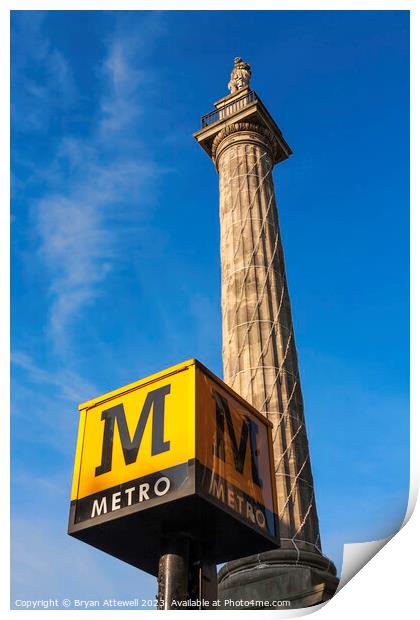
(259, 350)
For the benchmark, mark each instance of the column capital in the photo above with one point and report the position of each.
(243, 132)
(232, 114)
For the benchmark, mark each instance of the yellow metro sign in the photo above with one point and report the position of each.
(177, 451)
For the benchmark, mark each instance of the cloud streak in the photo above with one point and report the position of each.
(69, 384)
(120, 107)
(99, 186)
(41, 81)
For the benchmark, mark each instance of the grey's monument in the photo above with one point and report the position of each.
(259, 351)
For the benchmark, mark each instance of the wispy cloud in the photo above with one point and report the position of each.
(68, 383)
(44, 415)
(120, 106)
(41, 81)
(99, 186)
(79, 236)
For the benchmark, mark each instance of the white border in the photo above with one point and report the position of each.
(387, 584)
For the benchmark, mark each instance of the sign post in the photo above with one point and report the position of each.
(173, 577)
(174, 474)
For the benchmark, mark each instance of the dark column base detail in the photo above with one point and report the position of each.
(297, 579)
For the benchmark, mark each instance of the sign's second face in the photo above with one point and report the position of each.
(176, 451)
(235, 455)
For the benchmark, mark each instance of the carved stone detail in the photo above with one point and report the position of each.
(244, 126)
(240, 76)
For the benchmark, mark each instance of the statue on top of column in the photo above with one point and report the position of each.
(240, 76)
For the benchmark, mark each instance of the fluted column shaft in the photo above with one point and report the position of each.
(259, 352)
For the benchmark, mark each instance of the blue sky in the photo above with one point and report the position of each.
(115, 248)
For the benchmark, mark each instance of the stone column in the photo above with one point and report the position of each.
(259, 352)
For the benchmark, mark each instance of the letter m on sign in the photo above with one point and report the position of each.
(155, 403)
(248, 431)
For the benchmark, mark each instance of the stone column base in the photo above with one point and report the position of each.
(302, 578)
